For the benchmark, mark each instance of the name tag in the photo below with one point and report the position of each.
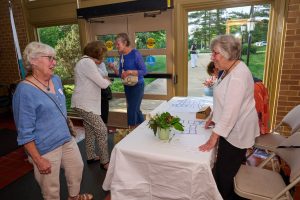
(60, 91)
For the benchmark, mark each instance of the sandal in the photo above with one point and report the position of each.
(85, 196)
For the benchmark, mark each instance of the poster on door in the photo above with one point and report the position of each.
(150, 43)
(109, 45)
(150, 60)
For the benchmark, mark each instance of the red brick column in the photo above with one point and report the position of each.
(289, 94)
(8, 60)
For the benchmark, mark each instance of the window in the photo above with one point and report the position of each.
(248, 23)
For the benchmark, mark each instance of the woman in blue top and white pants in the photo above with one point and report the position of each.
(42, 129)
(133, 65)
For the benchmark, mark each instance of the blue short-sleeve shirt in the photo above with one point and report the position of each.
(38, 119)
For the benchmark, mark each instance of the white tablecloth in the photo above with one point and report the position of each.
(142, 167)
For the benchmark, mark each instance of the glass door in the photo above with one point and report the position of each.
(151, 35)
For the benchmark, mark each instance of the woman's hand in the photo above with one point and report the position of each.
(107, 78)
(111, 65)
(43, 165)
(113, 68)
(127, 73)
(124, 74)
(210, 144)
(209, 123)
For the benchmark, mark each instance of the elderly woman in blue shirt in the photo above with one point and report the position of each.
(133, 64)
(41, 126)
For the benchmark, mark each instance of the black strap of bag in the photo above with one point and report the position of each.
(106, 93)
(68, 121)
(288, 147)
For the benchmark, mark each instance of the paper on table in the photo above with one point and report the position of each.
(188, 104)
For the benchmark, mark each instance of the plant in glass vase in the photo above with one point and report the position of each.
(164, 122)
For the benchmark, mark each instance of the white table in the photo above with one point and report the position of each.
(142, 167)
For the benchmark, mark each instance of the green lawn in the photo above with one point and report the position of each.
(256, 62)
(160, 65)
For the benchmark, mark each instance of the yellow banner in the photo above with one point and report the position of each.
(169, 3)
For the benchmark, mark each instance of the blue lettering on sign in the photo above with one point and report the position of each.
(150, 60)
(110, 60)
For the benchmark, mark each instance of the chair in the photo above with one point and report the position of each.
(269, 142)
(262, 184)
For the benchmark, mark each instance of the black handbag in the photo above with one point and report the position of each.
(106, 93)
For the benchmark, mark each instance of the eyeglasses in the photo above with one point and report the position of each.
(50, 58)
(214, 53)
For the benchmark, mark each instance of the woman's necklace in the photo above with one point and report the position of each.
(46, 86)
(225, 72)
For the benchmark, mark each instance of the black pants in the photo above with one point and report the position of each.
(229, 160)
(104, 109)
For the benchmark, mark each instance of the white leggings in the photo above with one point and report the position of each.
(194, 58)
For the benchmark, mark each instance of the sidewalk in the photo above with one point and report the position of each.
(197, 75)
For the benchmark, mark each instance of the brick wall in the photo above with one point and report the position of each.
(289, 95)
(8, 62)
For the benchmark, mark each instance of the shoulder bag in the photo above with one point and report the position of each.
(68, 120)
(106, 93)
(130, 80)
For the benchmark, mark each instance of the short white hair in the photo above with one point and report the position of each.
(34, 50)
(228, 45)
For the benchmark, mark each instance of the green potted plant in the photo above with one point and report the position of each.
(162, 124)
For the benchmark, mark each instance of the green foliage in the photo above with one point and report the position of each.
(165, 121)
(65, 40)
(209, 23)
(260, 31)
(252, 49)
(149, 80)
(256, 64)
(51, 35)
(160, 38)
(117, 86)
(68, 91)
(68, 53)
